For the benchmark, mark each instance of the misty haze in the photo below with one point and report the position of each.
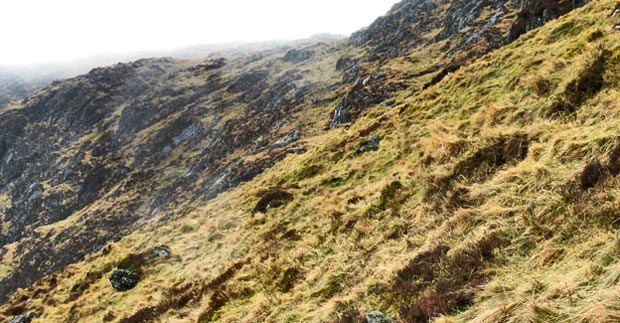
(61, 39)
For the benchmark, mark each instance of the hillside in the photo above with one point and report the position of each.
(13, 88)
(456, 161)
(21, 81)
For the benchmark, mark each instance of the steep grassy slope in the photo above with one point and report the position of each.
(89, 160)
(492, 197)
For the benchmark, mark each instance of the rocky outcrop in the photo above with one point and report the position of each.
(367, 92)
(251, 83)
(533, 14)
(466, 29)
(464, 24)
(209, 65)
(391, 33)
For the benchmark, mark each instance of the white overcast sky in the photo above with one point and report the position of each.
(39, 31)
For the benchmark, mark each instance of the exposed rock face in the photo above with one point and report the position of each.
(466, 29)
(462, 22)
(388, 33)
(366, 93)
(534, 14)
(345, 63)
(210, 65)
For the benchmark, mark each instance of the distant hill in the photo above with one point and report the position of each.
(18, 82)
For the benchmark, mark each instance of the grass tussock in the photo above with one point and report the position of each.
(588, 82)
(179, 297)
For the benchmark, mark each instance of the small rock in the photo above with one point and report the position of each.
(286, 140)
(209, 65)
(187, 133)
(123, 279)
(345, 63)
(300, 90)
(37, 192)
(162, 251)
(248, 81)
(378, 317)
(617, 27)
(297, 56)
(368, 145)
(26, 318)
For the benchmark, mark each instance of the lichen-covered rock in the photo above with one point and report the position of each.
(162, 251)
(297, 55)
(248, 81)
(407, 22)
(124, 279)
(209, 65)
(367, 92)
(534, 14)
(345, 63)
(26, 318)
(369, 145)
(287, 140)
(378, 317)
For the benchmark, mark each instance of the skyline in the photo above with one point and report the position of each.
(67, 30)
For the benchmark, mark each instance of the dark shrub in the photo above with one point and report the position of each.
(591, 174)
(272, 199)
(123, 279)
